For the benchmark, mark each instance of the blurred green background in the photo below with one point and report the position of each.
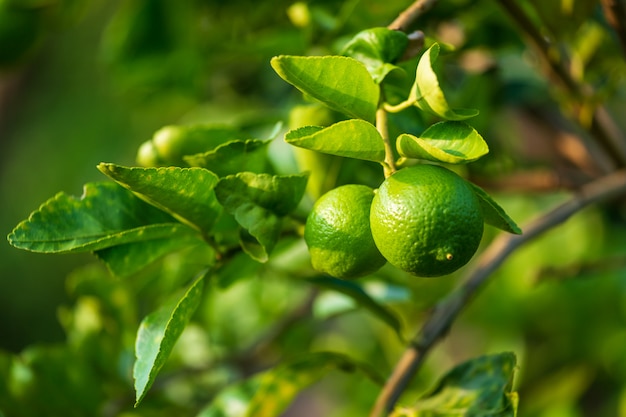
(83, 82)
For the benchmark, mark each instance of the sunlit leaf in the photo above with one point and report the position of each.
(232, 157)
(158, 333)
(185, 193)
(279, 386)
(480, 387)
(350, 138)
(450, 142)
(105, 215)
(258, 202)
(493, 214)
(355, 292)
(427, 94)
(342, 83)
(377, 48)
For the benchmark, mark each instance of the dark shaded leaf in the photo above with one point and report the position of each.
(258, 202)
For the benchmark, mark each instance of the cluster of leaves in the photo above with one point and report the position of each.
(210, 191)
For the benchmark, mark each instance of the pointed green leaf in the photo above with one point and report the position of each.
(377, 48)
(355, 292)
(258, 202)
(427, 94)
(493, 214)
(128, 259)
(158, 333)
(105, 215)
(185, 193)
(279, 386)
(342, 83)
(352, 138)
(232, 157)
(481, 387)
(449, 142)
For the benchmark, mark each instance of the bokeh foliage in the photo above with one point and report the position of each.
(93, 80)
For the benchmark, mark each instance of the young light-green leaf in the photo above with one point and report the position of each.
(342, 83)
(352, 138)
(481, 387)
(258, 202)
(232, 157)
(449, 142)
(377, 48)
(158, 333)
(185, 193)
(427, 94)
(355, 292)
(279, 386)
(105, 215)
(493, 214)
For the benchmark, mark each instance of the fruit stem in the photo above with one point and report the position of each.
(382, 126)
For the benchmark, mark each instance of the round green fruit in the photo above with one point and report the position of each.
(426, 220)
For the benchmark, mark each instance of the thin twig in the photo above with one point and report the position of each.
(615, 14)
(448, 309)
(407, 17)
(600, 127)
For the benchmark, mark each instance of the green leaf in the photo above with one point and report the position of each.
(449, 142)
(355, 292)
(105, 215)
(481, 387)
(342, 83)
(232, 157)
(427, 94)
(377, 48)
(279, 386)
(185, 193)
(352, 138)
(158, 333)
(128, 259)
(493, 214)
(258, 202)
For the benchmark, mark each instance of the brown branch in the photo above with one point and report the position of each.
(407, 17)
(447, 310)
(600, 128)
(615, 14)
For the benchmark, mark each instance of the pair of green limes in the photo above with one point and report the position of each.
(425, 220)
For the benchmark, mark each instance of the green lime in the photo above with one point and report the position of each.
(426, 220)
(338, 233)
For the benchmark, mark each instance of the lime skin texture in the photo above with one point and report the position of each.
(338, 234)
(426, 220)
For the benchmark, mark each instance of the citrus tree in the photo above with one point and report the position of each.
(231, 256)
